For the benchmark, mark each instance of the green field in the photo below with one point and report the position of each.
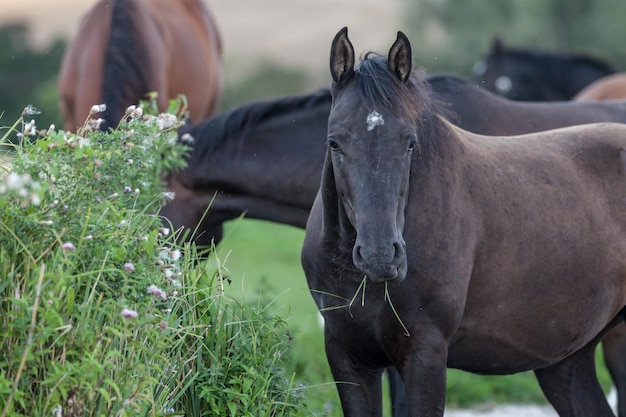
(264, 263)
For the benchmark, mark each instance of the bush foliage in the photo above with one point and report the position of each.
(100, 315)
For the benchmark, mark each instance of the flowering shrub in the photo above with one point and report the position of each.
(100, 315)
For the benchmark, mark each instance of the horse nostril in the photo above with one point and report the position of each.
(356, 254)
(397, 247)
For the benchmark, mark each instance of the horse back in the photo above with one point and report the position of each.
(547, 224)
(189, 23)
(611, 87)
(125, 49)
(82, 67)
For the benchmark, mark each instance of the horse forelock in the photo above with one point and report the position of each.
(380, 89)
(127, 68)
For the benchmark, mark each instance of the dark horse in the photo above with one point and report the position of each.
(429, 247)
(125, 49)
(265, 159)
(530, 75)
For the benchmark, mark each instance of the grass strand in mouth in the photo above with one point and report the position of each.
(388, 299)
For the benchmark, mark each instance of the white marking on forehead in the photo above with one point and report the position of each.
(374, 119)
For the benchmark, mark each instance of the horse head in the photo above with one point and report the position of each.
(372, 138)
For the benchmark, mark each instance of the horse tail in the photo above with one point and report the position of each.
(125, 63)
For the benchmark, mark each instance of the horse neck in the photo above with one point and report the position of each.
(277, 160)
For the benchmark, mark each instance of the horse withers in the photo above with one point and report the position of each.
(429, 246)
(125, 49)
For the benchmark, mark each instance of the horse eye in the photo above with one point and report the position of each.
(333, 144)
(412, 145)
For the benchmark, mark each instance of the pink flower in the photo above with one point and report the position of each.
(68, 246)
(129, 314)
(128, 267)
(157, 292)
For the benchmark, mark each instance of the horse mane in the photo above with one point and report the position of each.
(413, 99)
(558, 58)
(126, 62)
(215, 131)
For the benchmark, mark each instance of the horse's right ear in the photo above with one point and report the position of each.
(496, 46)
(341, 57)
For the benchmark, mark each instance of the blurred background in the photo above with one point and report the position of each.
(278, 47)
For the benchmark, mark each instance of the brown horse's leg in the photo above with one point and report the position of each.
(614, 348)
(572, 386)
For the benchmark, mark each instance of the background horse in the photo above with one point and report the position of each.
(429, 246)
(611, 87)
(531, 75)
(265, 159)
(127, 48)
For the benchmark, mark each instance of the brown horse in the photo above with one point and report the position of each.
(429, 246)
(611, 87)
(127, 48)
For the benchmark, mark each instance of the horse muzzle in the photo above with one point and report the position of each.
(381, 264)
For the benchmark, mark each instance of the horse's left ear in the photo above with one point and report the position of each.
(341, 57)
(400, 59)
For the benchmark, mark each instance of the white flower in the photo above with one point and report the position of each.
(187, 138)
(168, 196)
(137, 113)
(30, 110)
(13, 181)
(175, 255)
(166, 120)
(97, 108)
(30, 128)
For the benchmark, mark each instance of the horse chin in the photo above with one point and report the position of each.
(383, 273)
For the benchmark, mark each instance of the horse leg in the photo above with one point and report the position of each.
(614, 348)
(359, 386)
(397, 391)
(424, 374)
(572, 386)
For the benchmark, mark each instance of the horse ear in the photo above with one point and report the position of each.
(496, 46)
(341, 57)
(400, 59)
